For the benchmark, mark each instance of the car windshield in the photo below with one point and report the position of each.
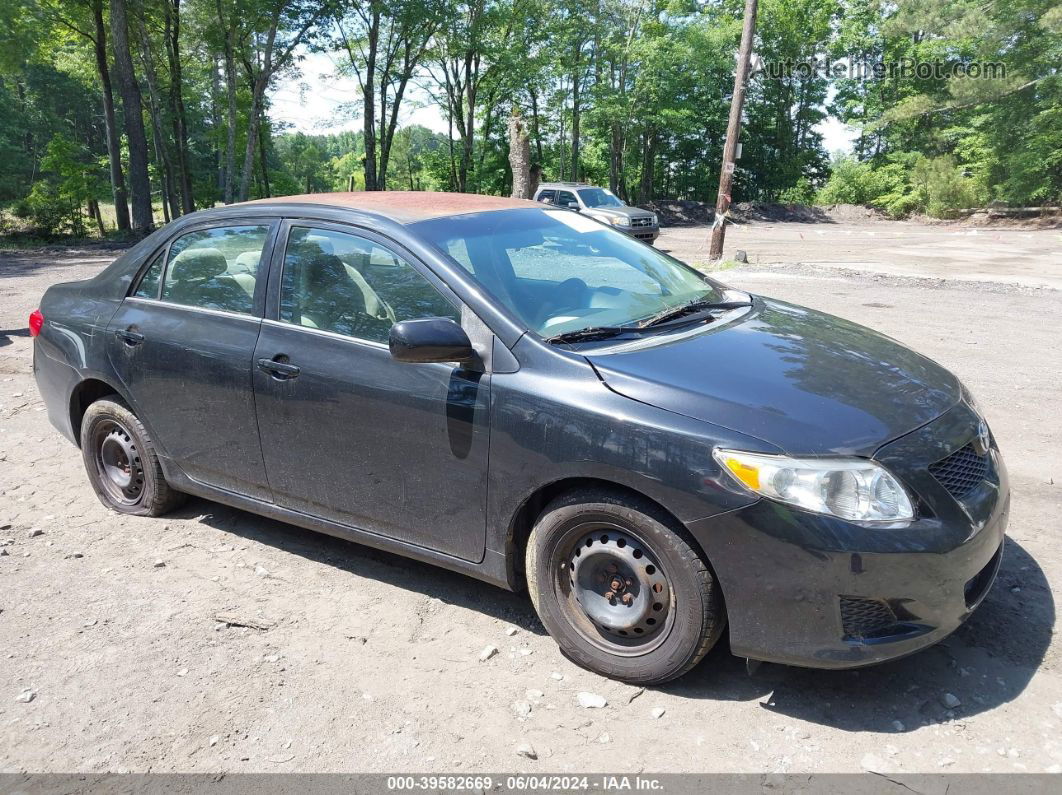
(599, 197)
(559, 271)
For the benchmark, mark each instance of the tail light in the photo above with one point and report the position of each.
(36, 320)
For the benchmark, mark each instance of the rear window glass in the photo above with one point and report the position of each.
(215, 268)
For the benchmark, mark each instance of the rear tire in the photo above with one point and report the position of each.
(121, 461)
(621, 588)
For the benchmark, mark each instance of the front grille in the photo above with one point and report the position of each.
(960, 472)
(861, 618)
(641, 222)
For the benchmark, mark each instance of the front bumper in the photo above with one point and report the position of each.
(644, 233)
(810, 590)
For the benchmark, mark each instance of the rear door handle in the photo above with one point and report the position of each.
(282, 371)
(129, 337)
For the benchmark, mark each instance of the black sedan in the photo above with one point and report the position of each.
(527, 396)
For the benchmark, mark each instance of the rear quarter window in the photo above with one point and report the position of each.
(151, 279)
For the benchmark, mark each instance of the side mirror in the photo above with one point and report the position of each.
(573, 205)
(432, 339)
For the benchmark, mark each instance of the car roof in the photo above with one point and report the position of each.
(405, 206)
(565, 185)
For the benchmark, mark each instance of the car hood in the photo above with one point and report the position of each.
(620, 212)
(800, 380)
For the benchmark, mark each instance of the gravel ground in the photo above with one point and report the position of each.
(214, 640)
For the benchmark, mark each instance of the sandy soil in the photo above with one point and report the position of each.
(355, 660)
(1028, 257)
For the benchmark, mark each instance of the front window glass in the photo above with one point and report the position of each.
(560, 271)
(349, 285)
(599, 197)
(215, 268)
(564, 197)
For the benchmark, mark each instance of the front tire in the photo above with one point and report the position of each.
(621, 588)
(121, 461)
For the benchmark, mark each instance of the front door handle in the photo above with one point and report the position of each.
(282, 371)
(129, 336)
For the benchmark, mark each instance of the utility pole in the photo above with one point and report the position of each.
(733, 131)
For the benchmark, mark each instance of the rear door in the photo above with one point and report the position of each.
(566, 198)
(349, 434)
(182, 343)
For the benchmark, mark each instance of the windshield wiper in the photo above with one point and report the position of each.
(700, 305)
(591, 333)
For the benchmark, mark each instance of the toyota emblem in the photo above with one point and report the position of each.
(984, 440)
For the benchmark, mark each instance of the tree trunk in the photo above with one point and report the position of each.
(471, 66)
(114, 147)
(369, 111)
(262, 158)
(253, 118)
(388, 132)
(645, 184)
(450, 144)
(180, 121)
(139, 183)
(218, 154)
(170, 207)
(94, 211)
(615, 160)
(229, 181)
(575, 116)
(519, 156)
(536, 127)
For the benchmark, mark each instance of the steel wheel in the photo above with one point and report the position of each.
(620, 586)
(614, 591)
(118, 462)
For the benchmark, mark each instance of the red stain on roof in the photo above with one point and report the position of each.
(406, 205)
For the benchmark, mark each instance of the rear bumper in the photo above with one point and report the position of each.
(55, 381)
(809, 590)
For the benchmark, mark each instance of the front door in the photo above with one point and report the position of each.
(348, 433)
(182, 343)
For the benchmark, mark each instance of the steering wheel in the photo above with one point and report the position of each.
(569, 294)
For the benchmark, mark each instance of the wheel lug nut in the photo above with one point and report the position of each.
(609, 595)
(628, 582)
(627, 599)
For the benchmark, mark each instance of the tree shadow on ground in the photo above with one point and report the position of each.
(986, 663)
(364, 561)
(7, 334)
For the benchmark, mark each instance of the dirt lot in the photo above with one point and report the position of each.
(366, 662)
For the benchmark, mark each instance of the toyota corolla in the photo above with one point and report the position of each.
(525, 395)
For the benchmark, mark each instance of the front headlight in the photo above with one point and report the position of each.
(656, 220)
(622, 220)
(856, 489)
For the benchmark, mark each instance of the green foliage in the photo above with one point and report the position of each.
(646, 83)
(904, 183)
(801, 193)
(55, 202)
(850, 182)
